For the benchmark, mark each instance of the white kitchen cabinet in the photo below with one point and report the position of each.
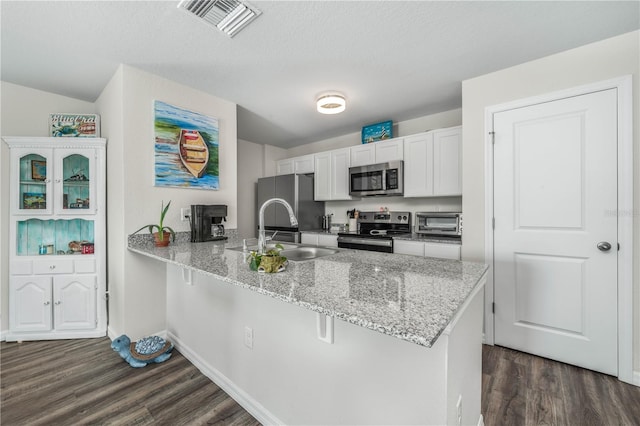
(45, 303)
(432, 163)
(298, 165)
(428, 249)
(442, 251)
(331, 181)
(30, 309)
(284, 167)
(327, 240)
(362, 155)
(74, 302)
(377, 152)
(415, 248)
(447, 159)
(418, 165)
(309, 238)
(322, 240)
(57, 239)
(390, 150)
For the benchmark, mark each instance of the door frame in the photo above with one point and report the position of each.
(623, 85)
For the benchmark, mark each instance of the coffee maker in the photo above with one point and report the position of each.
(206, 222)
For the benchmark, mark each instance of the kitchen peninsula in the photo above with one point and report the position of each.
(351, 338)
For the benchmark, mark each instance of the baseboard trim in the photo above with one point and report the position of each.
(254, 408)
(3, 335)
(636, 378)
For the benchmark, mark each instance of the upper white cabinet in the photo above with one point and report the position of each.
(331, 181)
(447, 159)
(377, 152)
(57, 240)
(432, 163)
(298, 165)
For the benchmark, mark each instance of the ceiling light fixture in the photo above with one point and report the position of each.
(331, 103)
(229, 16)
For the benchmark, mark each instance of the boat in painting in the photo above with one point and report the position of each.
(194, 152)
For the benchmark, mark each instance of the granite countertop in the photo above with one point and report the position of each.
(408, 297)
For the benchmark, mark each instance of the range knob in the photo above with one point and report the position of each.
(404, 217)
(399, 217)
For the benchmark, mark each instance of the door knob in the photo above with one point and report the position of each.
(604, 246)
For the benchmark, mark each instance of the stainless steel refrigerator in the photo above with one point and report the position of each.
(297, 190)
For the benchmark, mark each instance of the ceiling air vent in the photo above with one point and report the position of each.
(229, 16)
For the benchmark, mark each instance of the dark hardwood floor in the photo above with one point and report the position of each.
(522, 389)
(73, 382)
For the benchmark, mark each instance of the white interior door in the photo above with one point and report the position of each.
(555, 198)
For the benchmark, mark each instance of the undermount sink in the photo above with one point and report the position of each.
(307, 253)
(295, 252)
(270, 246)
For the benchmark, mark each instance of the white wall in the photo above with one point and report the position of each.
(250, 169)
(136, 284)
(23, 112)
(587, 64)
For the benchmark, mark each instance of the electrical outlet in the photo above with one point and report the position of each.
(248, 337)
(459, 410)
(185, 214)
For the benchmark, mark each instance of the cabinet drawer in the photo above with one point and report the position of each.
(442, 251)
(53, 267)
(85, 266)
(21, 267)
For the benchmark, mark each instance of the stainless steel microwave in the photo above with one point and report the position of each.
(377, 179)
(439, 223)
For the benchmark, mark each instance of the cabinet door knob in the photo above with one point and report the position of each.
(52, 266)
(58, 302)
(47, 302)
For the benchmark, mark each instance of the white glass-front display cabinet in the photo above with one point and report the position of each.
(57, 264)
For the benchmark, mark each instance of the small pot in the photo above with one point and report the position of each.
(166, 238)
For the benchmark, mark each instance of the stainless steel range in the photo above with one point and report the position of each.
(376, 231)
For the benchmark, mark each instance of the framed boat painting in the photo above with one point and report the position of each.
(186, 148)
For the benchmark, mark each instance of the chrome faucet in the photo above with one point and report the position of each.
(262, 241)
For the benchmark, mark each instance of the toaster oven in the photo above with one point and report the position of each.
(439, 223)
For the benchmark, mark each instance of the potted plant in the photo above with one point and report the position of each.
(163, 233)
(271, 261)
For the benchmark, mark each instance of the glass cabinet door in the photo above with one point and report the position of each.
(33, 171)
(75, 182)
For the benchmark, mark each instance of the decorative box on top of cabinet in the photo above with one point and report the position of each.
(57, 239)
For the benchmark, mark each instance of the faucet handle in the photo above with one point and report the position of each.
(245, 246)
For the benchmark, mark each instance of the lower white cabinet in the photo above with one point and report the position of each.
(322, 240)
(428, 249)
(46, 303)
(31, 308)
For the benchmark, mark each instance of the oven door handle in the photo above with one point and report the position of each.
(366, 241)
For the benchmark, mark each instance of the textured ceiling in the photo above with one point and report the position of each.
(392, 59)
